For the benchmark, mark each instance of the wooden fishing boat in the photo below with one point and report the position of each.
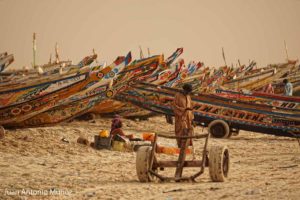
(34, 106)
(277, 101)
(108, 74)
(173, 57)
(25, 77)
(165, 72)
(236, 104)
(64, 67)
(27, 88)
(245, 70)
(260, 83)
(2, 55)
(165, 75)
(279, 86)
(70, 110)
(233, 116)
(131, 111)
(184, 73)
(27, 109)
(42, 73)
(156, 76)
(209, 79)
(261, 78)
(14, 95)
(265, 107)
(87, 60)
(39, 72)
(20, 79)
(108, 106)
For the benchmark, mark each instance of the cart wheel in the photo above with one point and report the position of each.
(2, 132)
(142, 164)
(218, 159)
(219, 129)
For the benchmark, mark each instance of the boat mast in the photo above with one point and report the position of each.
(56, 53)
(239, 62)
(34, 51)
(50, 59)
(224, 56)
(286, 51)
(141, 53)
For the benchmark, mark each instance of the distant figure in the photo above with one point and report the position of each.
(116, 128)
(268, 89)
(183, 110)
(288, 88)
(117, 131)
(116, 125)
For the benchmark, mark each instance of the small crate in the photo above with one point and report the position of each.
(103, 142)
(118, 146)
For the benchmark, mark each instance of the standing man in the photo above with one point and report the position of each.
(183, 111)
(288, 88)
(269, 89)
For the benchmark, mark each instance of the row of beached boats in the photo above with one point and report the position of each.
(227, 99)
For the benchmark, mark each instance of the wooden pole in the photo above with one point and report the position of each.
(224, 56)
(148, 52)
(34, 50)
(239, 62)
(286, 51)
(56, 53)
(50, 59)
(141, 53)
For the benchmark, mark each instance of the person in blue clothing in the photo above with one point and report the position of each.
(288, 88)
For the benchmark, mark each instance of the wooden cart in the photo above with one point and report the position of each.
(216, 158)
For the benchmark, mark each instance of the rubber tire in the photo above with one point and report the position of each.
(215, 126)
(142, 164)
(2, 132)
(218, 163)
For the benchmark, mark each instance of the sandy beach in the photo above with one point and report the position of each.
(36, 164)
(236, 63)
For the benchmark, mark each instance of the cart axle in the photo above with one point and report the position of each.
(164, 164)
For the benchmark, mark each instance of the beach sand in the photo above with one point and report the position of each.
(35, 162)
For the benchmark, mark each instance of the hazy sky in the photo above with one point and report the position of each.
(247, 29)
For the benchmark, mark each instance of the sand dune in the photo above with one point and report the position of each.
(35, 160)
